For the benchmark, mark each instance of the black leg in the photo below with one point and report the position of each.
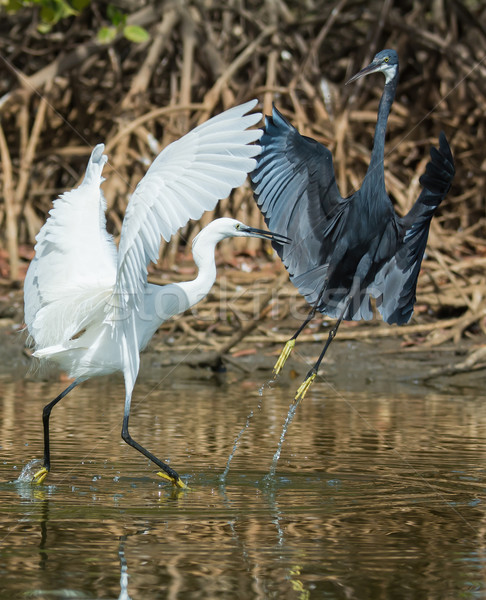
(289, 346)
(330, 337)
(46, 413)
(168, 473)
(361, 271)
(311, 375)
(309, 318)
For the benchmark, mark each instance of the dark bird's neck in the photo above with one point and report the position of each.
(376, 168)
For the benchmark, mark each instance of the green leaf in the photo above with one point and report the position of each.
(136, 34)
(79, 5)
(12, 5)
(106, 34)
(52, 12)
(48, 15)
(44, 27)
(64, 9)
(115, 15)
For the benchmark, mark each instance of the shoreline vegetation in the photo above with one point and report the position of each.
(68, 85)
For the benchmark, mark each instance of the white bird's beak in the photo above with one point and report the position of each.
(266, 235)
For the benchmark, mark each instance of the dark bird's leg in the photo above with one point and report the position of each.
(354, 292)
(167, 473)
(311, 375)
(46, 413)
(289, 346)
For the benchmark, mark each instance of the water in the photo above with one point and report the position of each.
(379, 492)
(276, 457)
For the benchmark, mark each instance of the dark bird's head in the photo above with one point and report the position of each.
(385, 62)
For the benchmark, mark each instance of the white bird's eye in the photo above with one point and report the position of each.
(237, 226)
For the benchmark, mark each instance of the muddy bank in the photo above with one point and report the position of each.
(381, 364)
(377, 365)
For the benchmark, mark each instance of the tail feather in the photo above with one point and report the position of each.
(95, 166)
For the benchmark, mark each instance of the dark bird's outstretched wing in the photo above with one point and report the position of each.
(295, 188)
(397, 280)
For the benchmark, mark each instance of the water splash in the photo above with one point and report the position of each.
(223, 476)
(268, 384)
(269, 478)
(29, 470)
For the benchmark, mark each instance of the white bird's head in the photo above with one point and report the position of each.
(206, 240)
(223, 228)
(385, 62)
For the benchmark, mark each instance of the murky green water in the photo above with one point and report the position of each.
(378, 494)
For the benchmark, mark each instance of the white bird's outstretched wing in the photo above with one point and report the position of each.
(187, 178)
(75, 261)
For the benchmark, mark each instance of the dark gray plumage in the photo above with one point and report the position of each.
(346, 250)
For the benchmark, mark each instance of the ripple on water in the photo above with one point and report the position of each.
(372, 494)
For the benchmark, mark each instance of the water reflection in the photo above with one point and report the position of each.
(377, 494)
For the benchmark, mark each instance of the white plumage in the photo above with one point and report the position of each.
(88, 306)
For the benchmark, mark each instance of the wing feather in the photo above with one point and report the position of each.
(295, 188)
(75, 261)
(187, 178)
(397, 280)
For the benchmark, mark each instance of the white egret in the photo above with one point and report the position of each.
(88, 305)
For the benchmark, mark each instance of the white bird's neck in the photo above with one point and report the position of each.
(175, 298)
(164, 302)
(203, 254)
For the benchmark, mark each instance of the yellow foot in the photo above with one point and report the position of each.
(289, 346)
(176, 482)
(302, 391)
(39, 477)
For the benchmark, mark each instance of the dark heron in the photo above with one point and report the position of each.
(345, 251)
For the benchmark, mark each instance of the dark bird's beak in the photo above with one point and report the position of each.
(371, 68)
(267, 235)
